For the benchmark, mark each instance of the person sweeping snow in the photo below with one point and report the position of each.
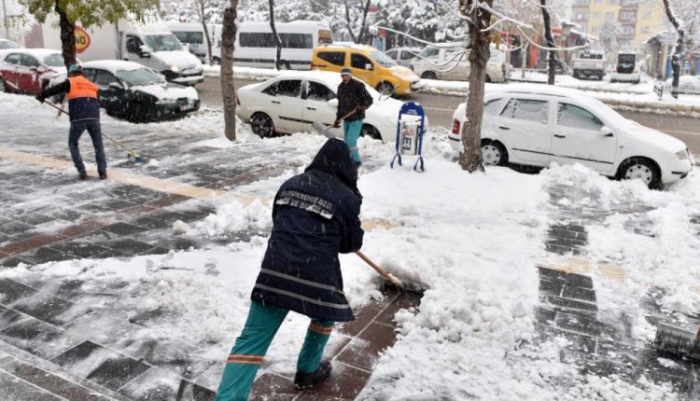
(84, 112)
(316, 216)
(352, 96)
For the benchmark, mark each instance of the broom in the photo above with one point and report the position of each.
(132, 157)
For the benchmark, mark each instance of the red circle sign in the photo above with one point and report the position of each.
(82, 39)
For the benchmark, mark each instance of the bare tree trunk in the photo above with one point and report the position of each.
(228, 36)
(526, 50)
(552, 54)
(274, 34)
(480, 51)
(67, 36)
(360, 36)
(678, 51)
(206, 29)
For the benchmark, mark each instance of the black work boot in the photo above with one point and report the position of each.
(303, 381)
(82, 174)
(103, 175)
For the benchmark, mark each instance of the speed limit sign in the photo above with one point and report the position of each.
(82, 39)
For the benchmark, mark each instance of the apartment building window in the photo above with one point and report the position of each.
(612, 1)
(596, 15)
(610, 15)
(645, 29)
(582, 3)
(598, 1)
(596, 28)
(581, 16)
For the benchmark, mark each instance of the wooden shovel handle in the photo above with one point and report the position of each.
(379, 270)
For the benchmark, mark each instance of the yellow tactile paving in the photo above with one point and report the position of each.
(156, 184)
(586, 267)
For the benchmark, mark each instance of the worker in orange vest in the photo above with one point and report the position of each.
(84, 112)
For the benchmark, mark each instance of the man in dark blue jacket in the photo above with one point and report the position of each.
(84, 113)
(315, 217)
(352, 97)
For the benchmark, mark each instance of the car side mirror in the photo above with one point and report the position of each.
(369, 67)
(606, 132)
(144, 51)
(116, 86)
(333, 103)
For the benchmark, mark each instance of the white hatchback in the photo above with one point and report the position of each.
(537, 125)
(294, 100)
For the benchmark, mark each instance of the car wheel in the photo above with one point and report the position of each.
(385, 88)
(493, 153)
(370, 131)
(488, 79)
(262, 125)
(215, 61)
(283, 65)
(639, 168)
(428, 75)
(3, 86)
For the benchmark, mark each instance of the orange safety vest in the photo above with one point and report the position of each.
(81, 87)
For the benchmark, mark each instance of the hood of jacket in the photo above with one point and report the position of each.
(334, 159)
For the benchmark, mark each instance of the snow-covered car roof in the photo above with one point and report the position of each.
(113, 65)
(38, 53)
(12, 44)
(557, 92)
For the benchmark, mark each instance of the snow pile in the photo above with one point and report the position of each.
(234, 217)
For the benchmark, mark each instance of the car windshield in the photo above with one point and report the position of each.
(190, 37)
(163, 43)
(139, 76)
(606, 112)
(54, 60)
(383, 59)
(429, 52)
(8, 44)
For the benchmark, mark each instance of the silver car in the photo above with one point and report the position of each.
(403, 55)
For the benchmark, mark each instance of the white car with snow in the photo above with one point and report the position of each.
(450, 62)
(136, 93)
(537, 125)
(687, 84)
(293, 101)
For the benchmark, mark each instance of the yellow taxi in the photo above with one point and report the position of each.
(368, 64)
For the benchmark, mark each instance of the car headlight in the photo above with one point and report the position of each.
(682, 155)
(174, 68)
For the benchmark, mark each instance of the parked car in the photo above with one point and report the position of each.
(687, 84)
(8, 44)
(626, 68)
(450, 61)
(403, 55)
(136, 93)
(29, 70)
(368, 64)
(292, 101)
(536, 125)
(589, 64)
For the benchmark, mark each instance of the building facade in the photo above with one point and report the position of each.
(635, 21)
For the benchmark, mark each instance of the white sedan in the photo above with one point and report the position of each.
(687, 84)
(292, 101)
(537, 125)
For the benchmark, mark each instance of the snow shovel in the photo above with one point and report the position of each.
(412, 287)
(325, 131)
(133, 156)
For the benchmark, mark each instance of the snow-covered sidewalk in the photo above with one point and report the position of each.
(473, 240)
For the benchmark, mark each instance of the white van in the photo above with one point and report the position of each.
(256, 47)
(192, 36)
(150, 43)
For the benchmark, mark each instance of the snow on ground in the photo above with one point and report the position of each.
(471, 240)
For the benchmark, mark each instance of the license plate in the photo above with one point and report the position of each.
(188, 106)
